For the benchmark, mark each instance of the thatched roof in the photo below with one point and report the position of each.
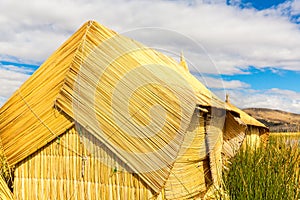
(245, 118)
(43, 107)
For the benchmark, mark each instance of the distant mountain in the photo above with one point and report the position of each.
(276, 120)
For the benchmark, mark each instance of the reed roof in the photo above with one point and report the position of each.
(247, 119)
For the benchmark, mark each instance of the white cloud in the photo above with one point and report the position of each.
(219, 83)
(232, 36)
(215, 38)
(11, 78)
(274, 98)
(295, 7)
(235, 2)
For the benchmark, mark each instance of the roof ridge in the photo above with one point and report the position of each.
(86, 25)
(76, 62)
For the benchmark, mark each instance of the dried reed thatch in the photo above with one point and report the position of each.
(5, 192)
(234, 135)
(256, 132)
(82, 126)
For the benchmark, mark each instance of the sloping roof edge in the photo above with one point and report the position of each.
(33, 102)
(247, 119)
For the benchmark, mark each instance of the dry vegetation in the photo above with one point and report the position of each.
(276, 120)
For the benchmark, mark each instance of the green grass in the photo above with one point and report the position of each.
(267, 173)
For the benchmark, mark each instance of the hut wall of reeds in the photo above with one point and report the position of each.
(64, 169)
(256, 133)
(191, 176)
(234, 134)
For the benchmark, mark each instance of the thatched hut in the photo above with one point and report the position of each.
(69, 133)
(255, 132)
(105, 117)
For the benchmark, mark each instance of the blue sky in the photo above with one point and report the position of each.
(29, 67)
(259, 4)
(247, 48)
(268, 78)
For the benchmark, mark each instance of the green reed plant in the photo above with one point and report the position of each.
(267, 173)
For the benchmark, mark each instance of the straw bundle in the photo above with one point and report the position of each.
(5, 193)
(215, 143)
(234, 135)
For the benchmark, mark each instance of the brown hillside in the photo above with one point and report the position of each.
(276, 120)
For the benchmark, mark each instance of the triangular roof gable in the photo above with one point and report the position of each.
(29, 120)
